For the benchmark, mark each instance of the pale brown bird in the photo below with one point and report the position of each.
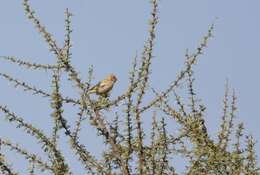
(104, 87)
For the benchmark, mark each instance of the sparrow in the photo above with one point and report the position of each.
(103, 87)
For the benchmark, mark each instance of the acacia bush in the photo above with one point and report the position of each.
(128, 149)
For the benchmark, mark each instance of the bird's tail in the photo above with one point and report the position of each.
(92, 90)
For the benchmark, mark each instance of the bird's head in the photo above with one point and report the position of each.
(112, 77)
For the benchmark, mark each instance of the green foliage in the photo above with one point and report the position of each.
(129, 150)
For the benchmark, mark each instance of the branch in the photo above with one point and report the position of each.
(28, 65)
(27, 87)
(182, 74)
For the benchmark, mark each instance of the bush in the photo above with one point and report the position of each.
(127, 148)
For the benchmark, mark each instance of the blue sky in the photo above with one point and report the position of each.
(107, 34)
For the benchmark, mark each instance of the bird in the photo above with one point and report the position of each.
(103, 87)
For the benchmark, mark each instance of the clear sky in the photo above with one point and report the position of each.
(107, 34)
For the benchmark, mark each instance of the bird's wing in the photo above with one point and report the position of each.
(105, 86)
(102, 84)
